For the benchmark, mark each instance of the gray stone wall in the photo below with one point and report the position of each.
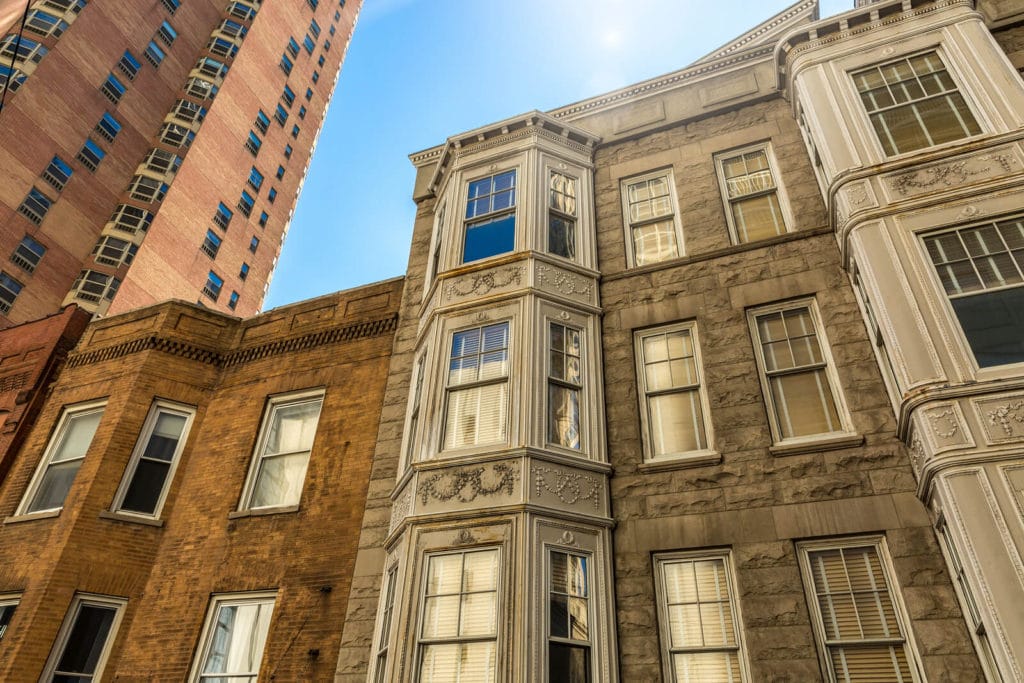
(754, 503)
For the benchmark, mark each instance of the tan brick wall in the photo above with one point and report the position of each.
(168, 573)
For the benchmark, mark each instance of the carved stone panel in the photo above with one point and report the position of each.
(458, 487)
(954, 174)
(1002, 417)
(483, 283)
(401, 508)
(567, 488)
(565, 284)
(858, 196)
(945, 427)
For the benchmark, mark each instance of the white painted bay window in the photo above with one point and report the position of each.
(565, 384)
(478, 393)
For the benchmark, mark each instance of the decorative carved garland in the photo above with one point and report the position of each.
(568, 487)
(466, 485)
(563, 282)
(1002, 415)
(949, 175)
(485, 282)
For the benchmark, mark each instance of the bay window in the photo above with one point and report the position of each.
(477, 394)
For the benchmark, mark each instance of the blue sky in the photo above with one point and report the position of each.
(418, 71)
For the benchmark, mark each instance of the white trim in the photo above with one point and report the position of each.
(624, 184)
(545, 608)
(66, 414)
(777, 189)
(159, 406)
(846, 423)
(9, 600)
(804, 548)
(273, 404)
(80, 600)
(227, 600)
(665, 642)
(642, 392)
(516, 165)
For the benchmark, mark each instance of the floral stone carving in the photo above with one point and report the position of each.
(568, 487)
(466, 484)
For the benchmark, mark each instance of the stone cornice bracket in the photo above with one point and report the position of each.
(177, 347)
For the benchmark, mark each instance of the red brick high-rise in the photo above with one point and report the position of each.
(154, 150)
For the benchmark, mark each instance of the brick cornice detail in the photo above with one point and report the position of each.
(175, 347)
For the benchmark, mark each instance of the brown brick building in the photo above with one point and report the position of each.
(154, 150)
(189, 497)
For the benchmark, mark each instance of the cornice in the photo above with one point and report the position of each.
(183, 349)
(762, 31)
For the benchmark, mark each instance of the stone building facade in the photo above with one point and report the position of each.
(188, 500)
(677, 393)
(155, 150)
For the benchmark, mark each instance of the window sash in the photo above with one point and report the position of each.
(85, 638)
(287, 436)
(65, 451)
(154, 460)
(225, 654)
(477, 395)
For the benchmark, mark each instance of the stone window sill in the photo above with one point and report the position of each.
(31, 516)
(131, 519)
(825, 443)
(681, 462)
(261, 512)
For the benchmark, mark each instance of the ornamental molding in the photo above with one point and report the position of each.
(952, 174)
(1005, 415)
(917, 454)
(184, 349)
(400, 509)
(484, 283)
(945, 424)
(568, 487)
(464, 537)
(466, 484)
(569, 538)
(565, 283)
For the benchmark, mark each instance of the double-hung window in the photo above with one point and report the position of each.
(62, 458)
(856, 616)
(476, 410)
(753, 206)
(459, 630)
(233, 639)
(387, 612)
(913, 102)
(981, 268)
(154, 460)
(562, 214)
(565, 384)
(700, 634)
(490, 217)
(653, 231)
(83, 644)
(569, 630)
(796, 375)
(673, 401)
(282, 453)
(28, 253)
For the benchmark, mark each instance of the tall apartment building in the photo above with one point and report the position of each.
(718, 377)
(154, 150)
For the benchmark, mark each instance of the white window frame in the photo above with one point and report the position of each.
(80, 600)
(66, 414)
(435, 257)
(416, 412)
(209, 627)
(273, 404)
(517, 219)
(552, 381)
(846, 423)
(385, 622)
(420, 643)
(953, 75)
(158, 407)
(9, 600)
(725, 556)
(804, 549)
(777, 189)
(550, 211)
(624, 185)
(448, 389)
(698, 455)
(591, 644)
(947, 299)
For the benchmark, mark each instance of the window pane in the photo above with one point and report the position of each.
(707, 667)
(655, 242)
(489, 238)
(993, 323)
(85, 642)
(164, 440)
(677, 423)
(562, 236)
(54, 487)
(458, 663)
(476, 415)
(146, 486)
(564, 416)
(568, 663)
(758, 218)
(804, 404)
(237, 640)
(280, 480)
(293, 427)
(879, 664)
(77, 436)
